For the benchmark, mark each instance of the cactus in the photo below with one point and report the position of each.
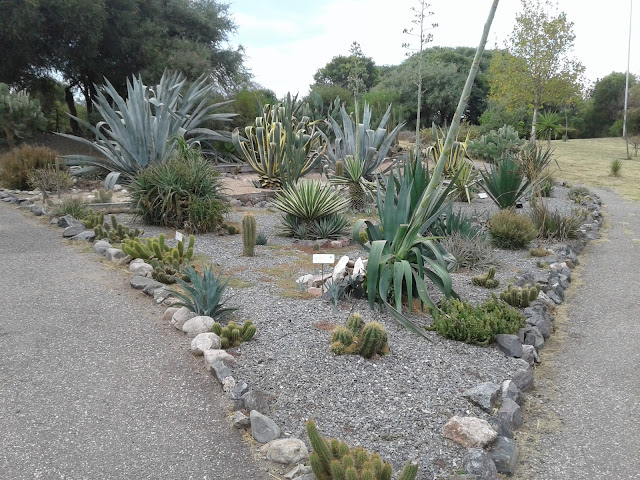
(115, 232)
(249, 235)
(168, 263)
(336, 461)
(364, 238)
(337, 348)
(538, 252)
(93, 219)
(355, 323)
(373, 340)
(520, 297)
(487, 280)
(342, 335)
(338, 169)
(234, 334)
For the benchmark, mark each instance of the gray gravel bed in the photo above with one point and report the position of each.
(397, 404)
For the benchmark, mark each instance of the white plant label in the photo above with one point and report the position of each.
(179, 236)
(324, 258)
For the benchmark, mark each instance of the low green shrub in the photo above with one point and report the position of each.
(71, 206)
(538, 252)
(511, 231)
(18, 163)
(496, 144)
(578, 193)
(48, 179)
(450, 222)
(553, 224)
(184, 192)
(459, 320)
(233, 334)
(204, 295)
(615, 167)
(356, 337)
(334, 460)
(469, 251)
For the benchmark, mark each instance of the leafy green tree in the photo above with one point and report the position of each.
(84, 41)
(342, 71)
(605, 104)
(444, 72)
(537, 68)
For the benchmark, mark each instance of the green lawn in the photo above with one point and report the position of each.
(586, 161)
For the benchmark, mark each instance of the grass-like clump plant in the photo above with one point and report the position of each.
(50, 179)
(510, 230)
(469, 252)
(462, 321)
(577, 194)
(615, 167)
(185, 192)
(203, 295)
(554, 224)
(335, 460)
(71, 206)
(505, 182)
(18, 163)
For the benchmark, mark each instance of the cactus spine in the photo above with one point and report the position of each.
(487, 280)
(249, 235)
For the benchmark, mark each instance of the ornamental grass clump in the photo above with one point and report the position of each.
(478, 325)
(184, 192)
(554, 225)
(511, 231)
(204, 295)
(17, 164)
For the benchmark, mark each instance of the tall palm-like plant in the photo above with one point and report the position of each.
(140, 130)
(548, 125)
(400, 257)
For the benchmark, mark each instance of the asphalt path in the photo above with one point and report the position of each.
(592, 386)
(93, 385)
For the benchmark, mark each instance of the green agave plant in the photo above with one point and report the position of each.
(369, 146)
(280, 147)
(505, 182)
(310, 200)
(204, 295)
(140, 130)
(400, 257)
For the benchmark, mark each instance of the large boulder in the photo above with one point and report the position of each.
(469, 431)
(203, 342)
(286, 451)
(479, 463)
(263, 429)
(197, 325)
(485, 395)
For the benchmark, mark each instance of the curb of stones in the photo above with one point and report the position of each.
(491, 447)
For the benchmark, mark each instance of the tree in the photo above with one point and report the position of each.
(341, 71)
(537, 68)
(84, 41)
(606, 103)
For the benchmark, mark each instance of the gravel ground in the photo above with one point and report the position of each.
(396, 405)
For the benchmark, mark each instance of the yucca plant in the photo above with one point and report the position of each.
(203, 295)
(359, 141)
(455, 222)
(534, 160)
(311, 208)
(505, 183)
(400, 258)
(358, 187)
(548, 125)
(280, 147)
(140, 131)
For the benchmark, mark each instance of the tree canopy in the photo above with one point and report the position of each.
(344, 71)
(84, 41)
(537, 69)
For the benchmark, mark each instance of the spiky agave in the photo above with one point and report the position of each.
(204, 295)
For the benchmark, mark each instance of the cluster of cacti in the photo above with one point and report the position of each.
(156, 249)
(249, 235)
(233, 334)
(104, 196)
(168, 262)
(520, 297)
(487, 280)
(115, 232)
(93, 219)
(538, 252)
(334, 460)
(357, 338)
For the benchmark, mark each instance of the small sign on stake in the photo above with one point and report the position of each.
(323, 258)
(179, 236)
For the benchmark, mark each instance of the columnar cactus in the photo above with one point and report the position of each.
(339, 168)
(115, 232)
(336, 461)
(520, 297)
(249, 235)
(487, 280)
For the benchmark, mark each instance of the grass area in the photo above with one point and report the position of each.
(587, 161)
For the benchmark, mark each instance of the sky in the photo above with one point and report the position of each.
(287, 41)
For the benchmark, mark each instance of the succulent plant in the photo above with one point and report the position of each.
(520, 297)
(115, 232)
(487, 280)
(249, 235)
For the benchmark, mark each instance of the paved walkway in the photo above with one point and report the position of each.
(92, 384)
(593, 383)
